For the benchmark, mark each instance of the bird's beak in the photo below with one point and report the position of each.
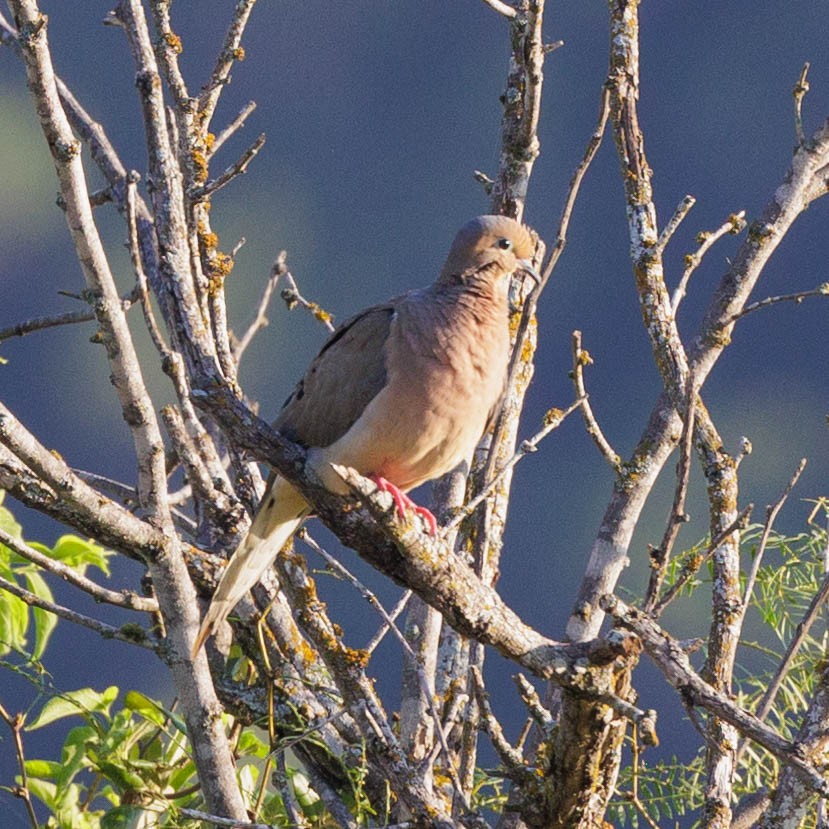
(528, 269)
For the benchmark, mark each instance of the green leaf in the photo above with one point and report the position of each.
(75, 753)
(45, 622)
(81, 553)
(144, 706)
(7, 521)
(44, 791)
(44, 769)
(129, 817)
(14, 619)
(74, 703)
(123, 778)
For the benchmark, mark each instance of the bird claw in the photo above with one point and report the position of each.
(403, 502)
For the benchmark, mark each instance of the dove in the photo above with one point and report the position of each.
(402, 393)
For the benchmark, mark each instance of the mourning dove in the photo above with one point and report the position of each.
(402, 393)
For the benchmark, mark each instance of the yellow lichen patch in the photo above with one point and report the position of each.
(207, 238)
(239, 53)
(320, 313)
(174, 42)
(583, 357)
(356, 657)
(552, 416)
(200, 164)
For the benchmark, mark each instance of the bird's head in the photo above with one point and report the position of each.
(492, 246)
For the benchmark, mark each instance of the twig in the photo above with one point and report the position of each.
(237, 123)
(196, 814)
(771, 514)
(682, 210)
(552, 420)
(593, 144)
(821, 290)
(238, 168)
(295, 818)
(134, 634)
(690, 569)
(799, 93)
(386, 626)
(369, 596)
(231, 52)
(677, 669)
(16, 724)
(138, 268)
(735, 224)
(510, 757)
(225, 510)
(126, 598)
(360, 699)
(581, 358)
(20, 329)
(291, 295)
(539, 713)
(645, 721)
(502, 8)
(662, 554)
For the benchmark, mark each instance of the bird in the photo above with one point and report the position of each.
(402, 393)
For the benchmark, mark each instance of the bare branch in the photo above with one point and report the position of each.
(693, 565)
(799, 93)
(231, 129)
(552, 420)
(132, 634)
(662, 554)
(821, 290)
(428, 692)
(581, 358)
(675, 666)
(682, 210)
(126, 598)
(531, 699)
(502, 8)
(20, 329)
(734, 224)
(510, 757)
(359, 697)
(95, 515)
(231, 51)
(238, 168)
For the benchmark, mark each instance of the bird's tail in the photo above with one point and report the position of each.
(280, 513)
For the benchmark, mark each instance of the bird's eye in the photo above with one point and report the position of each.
(504, 244)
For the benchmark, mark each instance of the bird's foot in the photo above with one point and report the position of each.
(403, 502)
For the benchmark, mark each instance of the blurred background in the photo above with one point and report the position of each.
(376, 115)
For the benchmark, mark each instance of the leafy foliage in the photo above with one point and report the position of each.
(786, 583)
(18, 620)
(127, 763)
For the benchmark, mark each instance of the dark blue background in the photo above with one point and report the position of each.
(376, 115)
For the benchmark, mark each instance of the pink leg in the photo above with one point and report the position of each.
(403, 502)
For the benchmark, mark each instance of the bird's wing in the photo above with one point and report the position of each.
(345, 377)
